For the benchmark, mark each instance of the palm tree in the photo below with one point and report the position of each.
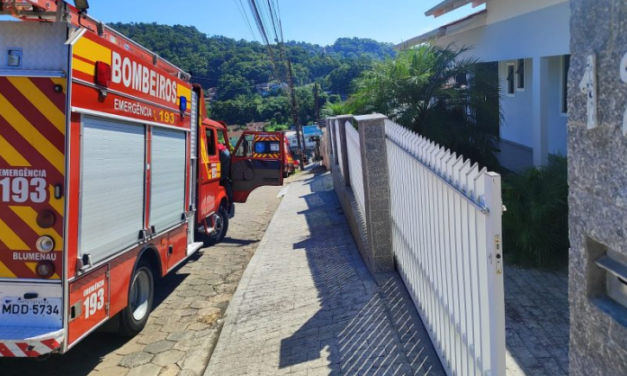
(439, 93)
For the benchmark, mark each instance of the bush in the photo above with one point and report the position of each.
(535, 226)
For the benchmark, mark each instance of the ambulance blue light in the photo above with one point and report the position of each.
(183, 104)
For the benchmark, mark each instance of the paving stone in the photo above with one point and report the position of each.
(180, 335)
(129, 348)
(113, 371)
(145, 370)
(168, 358)
(109, 361)
(150, 337)
(170, 370)
(136, 359)
(159, 347)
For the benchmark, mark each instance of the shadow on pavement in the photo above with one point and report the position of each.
(362, 328)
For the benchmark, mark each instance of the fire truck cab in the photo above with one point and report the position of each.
(109, 177)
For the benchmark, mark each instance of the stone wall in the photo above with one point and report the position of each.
(598, 189)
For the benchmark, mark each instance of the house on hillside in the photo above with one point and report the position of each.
(528, 44)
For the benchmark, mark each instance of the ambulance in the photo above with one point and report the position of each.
(109, 176)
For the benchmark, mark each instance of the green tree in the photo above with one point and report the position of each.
(439, 94)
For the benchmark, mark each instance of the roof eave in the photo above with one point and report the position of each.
(426, 37)
(450, 5)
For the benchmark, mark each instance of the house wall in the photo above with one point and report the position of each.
(538, 31)
(517, 119)
(558, 134)
(544, 32)
(501, 10)
(597, 177)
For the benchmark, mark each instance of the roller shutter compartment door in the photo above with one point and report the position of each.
(167, 169)
(112, 195)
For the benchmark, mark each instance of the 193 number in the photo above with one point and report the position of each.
(94, 303)
(20, 190)
(167, 117)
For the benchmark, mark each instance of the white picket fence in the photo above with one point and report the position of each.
(446, 235)
(353, 151)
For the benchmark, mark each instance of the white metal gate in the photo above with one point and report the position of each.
(446, 230)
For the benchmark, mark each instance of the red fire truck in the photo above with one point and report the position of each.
(109, 176)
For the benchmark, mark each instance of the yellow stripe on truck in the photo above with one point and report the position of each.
(10, 155)
(92, 51)
(84, 67)
(29, 216)
(10, 239)
(40, 101)
(6, 272)
(32, 135)
(183, 91)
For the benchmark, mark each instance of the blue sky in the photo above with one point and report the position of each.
(314, 21)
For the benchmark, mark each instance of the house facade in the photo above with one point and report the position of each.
(529, 43)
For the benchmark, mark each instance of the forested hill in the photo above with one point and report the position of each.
(233, 68)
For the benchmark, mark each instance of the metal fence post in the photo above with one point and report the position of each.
(496, 294)
(376, 191)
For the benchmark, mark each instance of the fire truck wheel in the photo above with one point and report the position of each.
(135, 315)
(222, 226)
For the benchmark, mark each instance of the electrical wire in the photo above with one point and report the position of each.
(242, 11)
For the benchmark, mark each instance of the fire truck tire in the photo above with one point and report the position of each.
(222, 227)
(134, 317)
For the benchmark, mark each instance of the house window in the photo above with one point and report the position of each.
(520, 75)
(461, 81)
(565, 69)
(511, 69)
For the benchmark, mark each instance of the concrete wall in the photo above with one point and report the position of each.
(598, 190)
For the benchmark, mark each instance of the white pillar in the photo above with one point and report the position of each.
(540, 110)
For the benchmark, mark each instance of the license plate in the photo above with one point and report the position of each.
(15, 311)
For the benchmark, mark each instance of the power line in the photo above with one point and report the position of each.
(242, 11)
(268, 20)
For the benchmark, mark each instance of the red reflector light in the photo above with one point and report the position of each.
(45, 269)
(46, 219)
(103, 74)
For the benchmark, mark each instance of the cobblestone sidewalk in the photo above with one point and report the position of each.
(536, 322)
(183, 328)
(307, 305)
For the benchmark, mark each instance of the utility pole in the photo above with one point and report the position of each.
(299, 131)
(316, 101)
